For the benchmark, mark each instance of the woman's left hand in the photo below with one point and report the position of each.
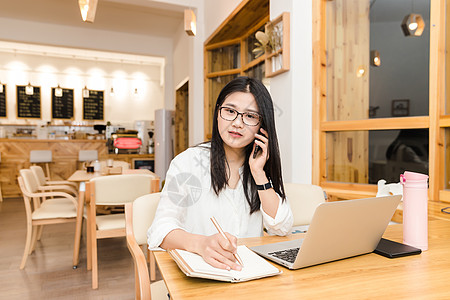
(257, 164)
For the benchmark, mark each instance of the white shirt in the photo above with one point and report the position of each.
(188, 202)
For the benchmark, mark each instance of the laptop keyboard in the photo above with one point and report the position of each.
(288, 255)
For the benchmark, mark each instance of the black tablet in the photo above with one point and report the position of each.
(393, 249)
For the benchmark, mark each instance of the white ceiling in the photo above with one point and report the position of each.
(154, 18)
(144, 17)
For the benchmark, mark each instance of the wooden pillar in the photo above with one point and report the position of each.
(348, 42)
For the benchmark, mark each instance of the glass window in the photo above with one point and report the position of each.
(225, 58)
(374, 69)
(215, 86)
(368, 156)
(257, 71)
(251, 44)
(447, 159)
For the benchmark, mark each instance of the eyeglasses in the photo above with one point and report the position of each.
(230, 114)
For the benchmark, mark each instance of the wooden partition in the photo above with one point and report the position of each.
(348, 37)
(16, 156)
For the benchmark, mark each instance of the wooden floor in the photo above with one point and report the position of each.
(48, 273)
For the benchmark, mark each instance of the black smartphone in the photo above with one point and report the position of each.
(257, 148)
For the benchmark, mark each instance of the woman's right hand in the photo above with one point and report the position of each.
(218, 251)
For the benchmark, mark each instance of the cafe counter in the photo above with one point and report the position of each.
(15, 155)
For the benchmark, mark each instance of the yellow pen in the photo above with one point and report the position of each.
(223, 234)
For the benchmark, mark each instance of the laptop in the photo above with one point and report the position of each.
(338, 230)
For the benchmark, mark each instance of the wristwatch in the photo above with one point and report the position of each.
(263, 187)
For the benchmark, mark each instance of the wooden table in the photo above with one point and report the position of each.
(81, 177)
(370, 276)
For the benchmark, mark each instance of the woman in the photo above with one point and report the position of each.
(226, 179)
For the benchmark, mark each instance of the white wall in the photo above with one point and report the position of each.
(181, 56)
(217, 12)
(50, 34)
(188, 56)
(48, 71)
(292, 93)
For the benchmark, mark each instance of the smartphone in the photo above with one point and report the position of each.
(257, 149)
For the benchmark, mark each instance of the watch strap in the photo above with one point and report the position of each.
(263, 187)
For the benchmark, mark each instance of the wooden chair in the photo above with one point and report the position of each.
(61, 209)
(42, 156)
(303, 199)
(111, 190)
(1, 195)
(139, 216)
(46, 185)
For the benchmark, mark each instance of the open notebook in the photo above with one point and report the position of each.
(255, 266)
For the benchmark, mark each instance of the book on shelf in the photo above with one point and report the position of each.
(255, 266)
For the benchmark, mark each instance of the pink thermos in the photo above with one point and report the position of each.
(415, 209)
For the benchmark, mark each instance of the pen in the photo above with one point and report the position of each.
(223, 234)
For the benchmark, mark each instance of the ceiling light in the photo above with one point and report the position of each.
(88, 9)
(413, 25)
(29, 89)
(375, 59)
(58, 91)
(361, 71)
(190, 22)
(85, 92)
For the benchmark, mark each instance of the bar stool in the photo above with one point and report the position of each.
(87, 156)
(42, 156)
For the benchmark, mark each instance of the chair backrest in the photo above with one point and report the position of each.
(303, 199)
(87, 155)
(39, 174)
(26, 198)
(120, 189)
(139, 216)
(40, 156)
(29, 181)
(144, 209)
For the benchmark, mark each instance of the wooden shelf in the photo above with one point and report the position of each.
(274, 53)
(228, 52)
(278, 60)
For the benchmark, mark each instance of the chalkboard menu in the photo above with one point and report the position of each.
(93, 106)
(28, 106)
(62, 107)
(3, 101)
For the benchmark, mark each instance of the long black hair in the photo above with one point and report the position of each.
(272, 167)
